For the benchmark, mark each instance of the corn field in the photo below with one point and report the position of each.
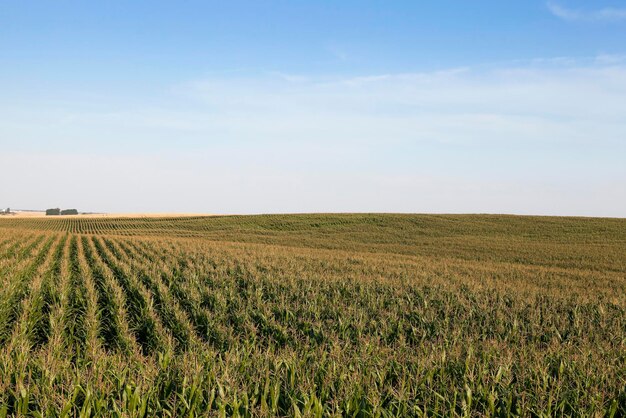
(313, 315)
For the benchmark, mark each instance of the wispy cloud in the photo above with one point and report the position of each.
(292, 78)
(338, 52)
(608, 14)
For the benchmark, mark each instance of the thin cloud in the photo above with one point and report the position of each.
(542, 137)
(608, 14)
(338, 52)
(292, 78)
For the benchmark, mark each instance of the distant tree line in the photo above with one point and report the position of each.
(57, 211)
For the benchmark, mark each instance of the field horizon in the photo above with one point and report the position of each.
(40, 214)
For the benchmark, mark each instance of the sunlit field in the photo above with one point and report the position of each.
(313, 315)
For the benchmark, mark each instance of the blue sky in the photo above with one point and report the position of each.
(294, 106)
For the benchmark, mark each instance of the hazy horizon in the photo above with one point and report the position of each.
(281, 107)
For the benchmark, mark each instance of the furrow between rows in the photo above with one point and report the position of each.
(47, 299)
(172, 319)
(205, 327)
(19, 288)
(77, 305)
(110, 317)
(140, 316)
